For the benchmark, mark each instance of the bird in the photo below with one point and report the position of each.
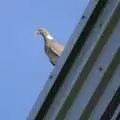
(52, 48)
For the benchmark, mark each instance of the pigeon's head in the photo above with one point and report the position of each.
(42, 31)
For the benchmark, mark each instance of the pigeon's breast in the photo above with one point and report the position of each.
(52, 56)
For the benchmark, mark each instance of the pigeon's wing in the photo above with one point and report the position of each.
(57, 48)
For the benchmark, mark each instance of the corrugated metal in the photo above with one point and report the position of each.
(85, 82)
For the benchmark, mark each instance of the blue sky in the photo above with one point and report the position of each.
(24, 68)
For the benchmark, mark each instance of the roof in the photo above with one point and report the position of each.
(87, 69)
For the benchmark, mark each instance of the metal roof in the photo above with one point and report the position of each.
(85, 82)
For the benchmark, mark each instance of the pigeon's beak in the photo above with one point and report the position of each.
(37, 33)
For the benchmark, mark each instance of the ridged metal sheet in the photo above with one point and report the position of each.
(85, 83)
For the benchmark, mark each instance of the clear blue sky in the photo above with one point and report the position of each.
(24, 68)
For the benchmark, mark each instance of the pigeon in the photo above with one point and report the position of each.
(52, 48)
